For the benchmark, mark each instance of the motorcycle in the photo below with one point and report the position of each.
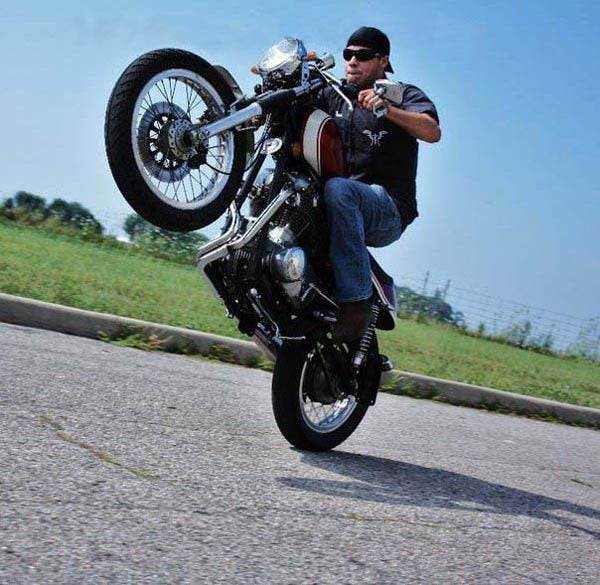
(180, 143)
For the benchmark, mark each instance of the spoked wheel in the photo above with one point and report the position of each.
(314, 404)
(169, 182)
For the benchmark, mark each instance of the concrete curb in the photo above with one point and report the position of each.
(460, 394)
(32, 313)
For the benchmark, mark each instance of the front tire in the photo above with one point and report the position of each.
(311, 398)
(169, 183)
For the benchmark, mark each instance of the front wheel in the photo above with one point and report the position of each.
(314, 405)
(170, 183)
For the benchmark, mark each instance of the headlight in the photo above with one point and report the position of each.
(283, 58)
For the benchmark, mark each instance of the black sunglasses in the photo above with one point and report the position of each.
(360, 54)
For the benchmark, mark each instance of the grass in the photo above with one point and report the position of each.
(57, 268)
(439, 351)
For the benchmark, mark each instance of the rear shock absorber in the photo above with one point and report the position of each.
(365, 340)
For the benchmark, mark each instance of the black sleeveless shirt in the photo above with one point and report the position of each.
(377, 150)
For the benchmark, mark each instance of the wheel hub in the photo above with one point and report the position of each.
(176, 136)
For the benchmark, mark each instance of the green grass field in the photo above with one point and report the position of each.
(59, 269)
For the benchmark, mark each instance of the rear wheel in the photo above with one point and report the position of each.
(170, 183)
(313, 402)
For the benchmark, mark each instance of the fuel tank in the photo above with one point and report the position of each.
(322, 146)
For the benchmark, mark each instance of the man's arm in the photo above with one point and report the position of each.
(421, 126)
(417, 124)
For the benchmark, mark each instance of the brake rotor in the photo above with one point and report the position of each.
(162, 150)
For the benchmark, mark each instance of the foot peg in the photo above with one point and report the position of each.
(386, 363)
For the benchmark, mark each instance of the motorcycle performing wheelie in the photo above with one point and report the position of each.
(180, 143)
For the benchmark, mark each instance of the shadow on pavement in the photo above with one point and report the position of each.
(377, 479)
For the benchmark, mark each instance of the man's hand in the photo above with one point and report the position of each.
(369, 100)
(421, 126)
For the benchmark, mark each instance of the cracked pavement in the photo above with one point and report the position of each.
(121, 466)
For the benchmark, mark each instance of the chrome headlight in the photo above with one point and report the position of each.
(282, 59)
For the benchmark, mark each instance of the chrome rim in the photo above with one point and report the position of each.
(183, 178)
(322, 417)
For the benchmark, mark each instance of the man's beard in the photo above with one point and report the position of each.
(367, 84)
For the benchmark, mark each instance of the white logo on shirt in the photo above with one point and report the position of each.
(375, 137)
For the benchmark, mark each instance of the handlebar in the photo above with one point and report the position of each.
(262, 104)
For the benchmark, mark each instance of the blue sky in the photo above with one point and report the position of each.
(509, 200)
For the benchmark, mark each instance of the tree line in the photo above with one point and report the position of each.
(60, 215)
(33, 209)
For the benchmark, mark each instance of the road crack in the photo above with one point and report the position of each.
(93, 450)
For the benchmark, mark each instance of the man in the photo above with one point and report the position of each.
(375, 204)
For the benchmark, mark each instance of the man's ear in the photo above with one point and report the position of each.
(385, 61)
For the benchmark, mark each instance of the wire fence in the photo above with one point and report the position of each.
(498, 317)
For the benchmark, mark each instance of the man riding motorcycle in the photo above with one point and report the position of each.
(377, 201)
(178, 134)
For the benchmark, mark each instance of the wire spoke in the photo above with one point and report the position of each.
(209, 179)
(163, 91)
(192, 186)
(218, 158)
(197, 99)
(177, 190)
(188, 93)
(199, 182)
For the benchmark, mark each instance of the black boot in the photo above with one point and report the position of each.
(353, 321)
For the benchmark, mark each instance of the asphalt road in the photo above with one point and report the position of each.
(121, 466)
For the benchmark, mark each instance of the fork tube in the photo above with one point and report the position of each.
(199, 132)
(249, 181)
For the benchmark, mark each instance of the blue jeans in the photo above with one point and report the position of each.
(358, 215)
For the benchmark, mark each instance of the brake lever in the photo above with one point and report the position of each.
(335, 84)
(381, 111)
(390, 91)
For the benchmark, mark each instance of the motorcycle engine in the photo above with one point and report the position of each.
(286, 258)
(288, 263)
(278, 264)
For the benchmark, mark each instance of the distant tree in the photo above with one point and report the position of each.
(134, 224)
(60, 209)
(32, 209)
(180, 245)
(433, 307)
(518, 333)
(29, 202)
(587, 343)
(74, 215)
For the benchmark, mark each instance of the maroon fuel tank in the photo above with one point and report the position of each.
(322, 146)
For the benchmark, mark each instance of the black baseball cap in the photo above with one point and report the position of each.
(373, 38)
